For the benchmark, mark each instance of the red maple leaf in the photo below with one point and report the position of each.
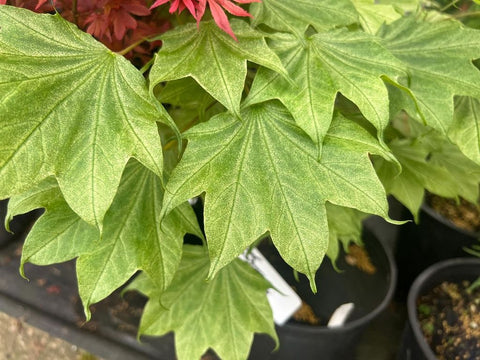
(221, 19)
(112, 18)
(217, 8)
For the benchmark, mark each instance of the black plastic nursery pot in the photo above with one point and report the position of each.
(434, 239)
(414, 345)
(370, 293)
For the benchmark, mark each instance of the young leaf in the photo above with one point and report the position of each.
(132, 238)
(72, 109)
(352, 63)
(263, 176)
(294, 16)
(223, 313)
(439, 60)
(465, 130)
(185, 49)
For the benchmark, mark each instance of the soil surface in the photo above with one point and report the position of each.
(449, 316)
(463, 214)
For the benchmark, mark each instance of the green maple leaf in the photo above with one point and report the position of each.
(132, 237)
(185, 49)
(59, 234)
(294, 16)
(432, 163)
(263, 176)
(193, 308)
(373, 14)
(70, 108)
(345, 226)
(439, 60)
(352, 63)
(465, 130)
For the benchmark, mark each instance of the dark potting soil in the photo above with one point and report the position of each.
(463, 214)
(449, 317)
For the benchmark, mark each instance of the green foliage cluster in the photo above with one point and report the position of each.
(297, 130)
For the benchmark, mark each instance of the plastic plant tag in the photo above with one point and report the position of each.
(340, 315)
(283, 300)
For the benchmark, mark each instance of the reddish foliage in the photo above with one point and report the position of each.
(116, 23)
(120, 24)
(217, 8)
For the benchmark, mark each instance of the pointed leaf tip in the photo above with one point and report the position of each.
(87, 150)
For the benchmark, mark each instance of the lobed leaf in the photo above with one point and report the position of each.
(132, 238)
(262, 174)
(193, 308)
(439, 60)
(352, 63)
(186, 48)
(373, 14)
(429, 162)
(72, 109)
(294, 16)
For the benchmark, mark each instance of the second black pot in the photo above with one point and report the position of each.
(414, 346)
(370, 293)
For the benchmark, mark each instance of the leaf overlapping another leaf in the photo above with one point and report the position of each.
(186, 48)
(352, 63)
(439, 60)
(132, 239)
(294, 16)
(261, 175)
(373, 14)
(72, 109)
(223, 313)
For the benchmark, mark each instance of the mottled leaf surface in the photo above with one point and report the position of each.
(72, 109)
(323, 65)
(133, 238)
(223, 313)
(373, 14)
(439, 59)
(465, 130)
(185, 49)
(261, 174)
(294, 16)
(429, 164)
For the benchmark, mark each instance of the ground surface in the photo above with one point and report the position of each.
(20, 341)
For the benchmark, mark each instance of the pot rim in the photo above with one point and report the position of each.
(417, 288)
(442, 219)
(357, 323)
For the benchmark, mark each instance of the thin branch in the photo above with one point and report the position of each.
(446, 7)
(75, 11)
(131, 47)
(466, 14)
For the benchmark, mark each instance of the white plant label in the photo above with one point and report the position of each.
(283, 300)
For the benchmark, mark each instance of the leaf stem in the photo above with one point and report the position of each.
(131, 47)
(449, 5)
(75, 11)
(466, 14)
